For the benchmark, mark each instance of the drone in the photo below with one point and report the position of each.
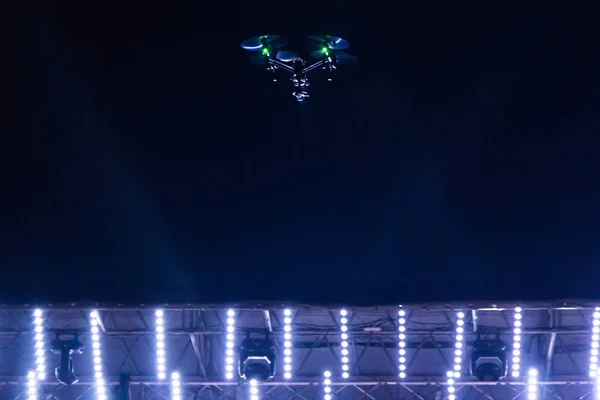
(328, 53)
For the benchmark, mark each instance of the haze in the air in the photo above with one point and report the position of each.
(146, 159)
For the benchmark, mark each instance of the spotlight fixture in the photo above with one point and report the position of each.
(66, 349)
(257, 359)
(488, 358)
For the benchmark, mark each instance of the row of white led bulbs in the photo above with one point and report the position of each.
(230, 350)
(40, 372)
(95, 321)
(454, 373)
(532, 375)
(100, 383)
(287, 352)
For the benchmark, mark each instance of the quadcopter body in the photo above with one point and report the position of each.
(270, 52)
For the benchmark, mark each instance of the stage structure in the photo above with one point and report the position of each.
(290, 351)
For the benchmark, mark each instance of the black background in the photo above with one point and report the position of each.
(145, 159)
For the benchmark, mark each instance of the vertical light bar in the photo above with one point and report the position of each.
(254, 391)
(287, 344)
(39, 344)
(532, 384)
(175, 386)
(161, 359)
(97, 356)
(32, 385)
(327, 385)
(595, 343)
(516, 347)
(458, 355)
(401, 343)
(345, 359)
(230, 344)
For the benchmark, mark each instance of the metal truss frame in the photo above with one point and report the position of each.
(373, 390)
(558, 339)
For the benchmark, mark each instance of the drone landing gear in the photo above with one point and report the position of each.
(273, 70)
(300, 96)
(300, 81)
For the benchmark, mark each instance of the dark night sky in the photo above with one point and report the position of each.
(144, 158)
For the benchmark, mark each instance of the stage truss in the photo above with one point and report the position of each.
(556, 341)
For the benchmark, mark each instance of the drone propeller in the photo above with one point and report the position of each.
(333, 42)
(344, 58)
(285, 56)
(339, 57)
(263, 58)
(265, 42)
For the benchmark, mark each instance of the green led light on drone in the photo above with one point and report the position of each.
(265, 51)
(325, 50)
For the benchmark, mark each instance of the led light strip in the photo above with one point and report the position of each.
(32, 385)
(175, 386)
(287, 344)
(161, 359)
(532, 384)
(40, 345)
(97, 356)
(327, 385)
(595, 343)
(344, 343)
(516, 347)
(254, 391)
(230, 344)
(401, 344)
(458, 355)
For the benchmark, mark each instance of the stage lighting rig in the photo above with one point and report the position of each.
(328, 55)
(488, 358)
(257, 358)
(66, 348)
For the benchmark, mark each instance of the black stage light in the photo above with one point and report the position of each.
(64, 371)
(257, 359)
(488, 359)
